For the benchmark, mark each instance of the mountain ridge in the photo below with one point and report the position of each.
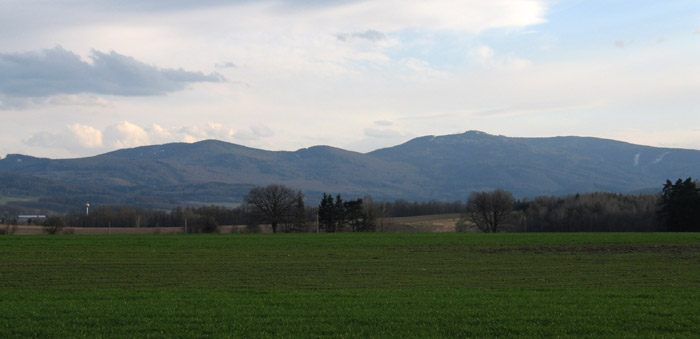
(447, 167)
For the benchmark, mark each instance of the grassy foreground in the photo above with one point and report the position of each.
(351, 285)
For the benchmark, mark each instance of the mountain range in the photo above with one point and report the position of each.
(443, 168)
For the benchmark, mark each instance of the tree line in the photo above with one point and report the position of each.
(677, 208)
(337, 215)
(204, 219)
(591, 212)
(280, 207)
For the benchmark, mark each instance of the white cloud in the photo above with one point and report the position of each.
(87, 136)
(79, 139)
(160, 135)
(464, 16)
(75, 138)
(467, 16)
(125, 135)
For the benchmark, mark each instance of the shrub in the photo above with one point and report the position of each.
(203, 224)
(53, 225)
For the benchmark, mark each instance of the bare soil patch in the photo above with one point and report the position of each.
(439, 223)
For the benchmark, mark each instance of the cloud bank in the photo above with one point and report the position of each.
(76, 139)
(58, 71)
(358, 74)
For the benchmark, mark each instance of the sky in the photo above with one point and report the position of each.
(80, 78)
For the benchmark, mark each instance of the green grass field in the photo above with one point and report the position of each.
(351, 285)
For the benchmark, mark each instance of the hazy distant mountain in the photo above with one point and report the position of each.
(463, 163)
(443, 168)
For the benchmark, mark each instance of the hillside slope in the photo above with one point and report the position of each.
(471, 161)
(446, 167)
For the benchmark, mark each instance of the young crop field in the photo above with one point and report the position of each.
(351, 285)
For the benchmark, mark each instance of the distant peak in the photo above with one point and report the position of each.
(19, 157)
(475, 132)
(210, 141)
(317, 147)
(480, 134)
(470, 135)
(322, 149)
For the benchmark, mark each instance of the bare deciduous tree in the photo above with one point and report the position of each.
(488, 210)
(53, 225)
(272, 204)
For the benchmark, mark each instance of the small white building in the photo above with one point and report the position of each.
(30, 218)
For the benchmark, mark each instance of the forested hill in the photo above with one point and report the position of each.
(463, 163)
(432, 167)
